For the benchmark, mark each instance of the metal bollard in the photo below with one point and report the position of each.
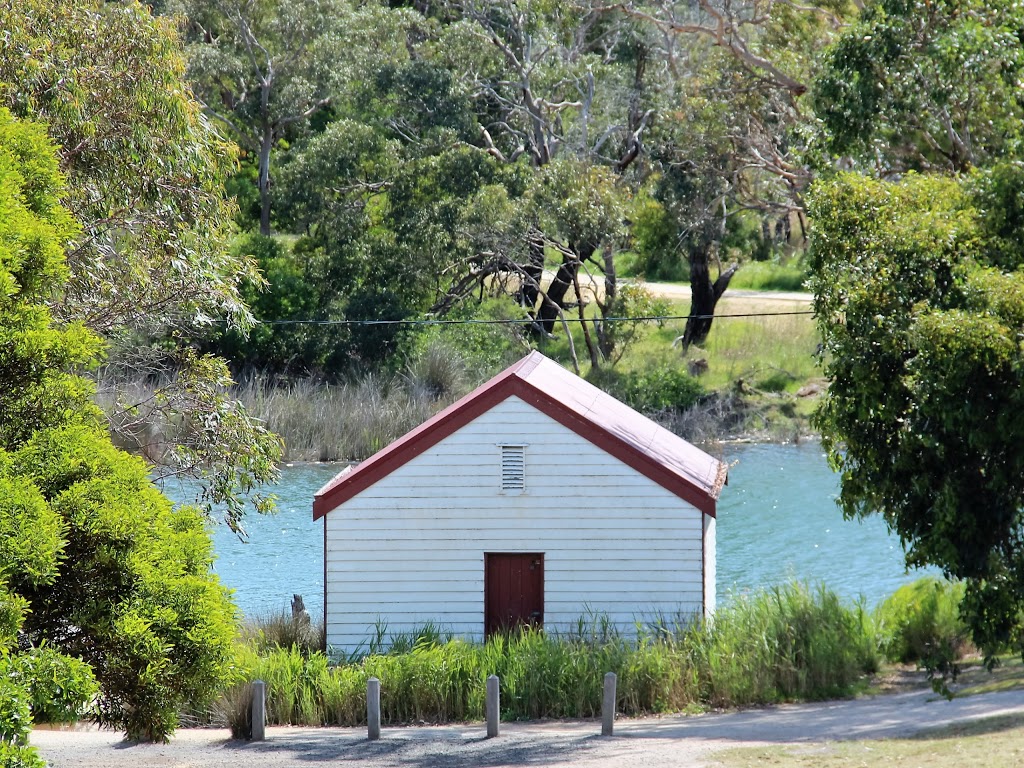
(608, 705)
(493, 706)
(373, 709)
(259, 711)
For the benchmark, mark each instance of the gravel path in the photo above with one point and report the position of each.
(646, 743)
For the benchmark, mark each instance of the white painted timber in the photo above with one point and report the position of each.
(710, 583)
(410, 549)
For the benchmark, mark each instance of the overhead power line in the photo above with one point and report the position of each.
(531, 321)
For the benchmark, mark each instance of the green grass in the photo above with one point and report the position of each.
(769, 276)
(769, 353)
(758, 350)
(993, 742)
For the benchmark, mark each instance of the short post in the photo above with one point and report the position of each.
(259, 711)
(493, 706)
(608, 705)
(373, 709)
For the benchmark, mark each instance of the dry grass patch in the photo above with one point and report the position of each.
(995, 742)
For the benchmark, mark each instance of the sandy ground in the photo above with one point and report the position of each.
(645, 743)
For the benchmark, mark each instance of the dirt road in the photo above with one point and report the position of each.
(668, 741)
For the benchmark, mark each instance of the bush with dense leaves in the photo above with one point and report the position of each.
(658, 389)
(920, 622)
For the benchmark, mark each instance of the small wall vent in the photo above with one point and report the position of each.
(513, 469)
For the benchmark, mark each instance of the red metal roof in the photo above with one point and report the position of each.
(649, 448)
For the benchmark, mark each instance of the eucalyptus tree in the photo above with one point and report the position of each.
(568, 84)
(263, 68)
(738, 137)
(145, 172)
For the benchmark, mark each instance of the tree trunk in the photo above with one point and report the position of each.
(529, 290)
(266, 143)
(564, 280)
(704, 297)
(605, 331)
(556, 293)
(595, 357)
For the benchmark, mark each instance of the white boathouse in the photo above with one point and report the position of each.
(534, 499)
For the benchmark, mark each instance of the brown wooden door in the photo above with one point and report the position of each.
(513, 590)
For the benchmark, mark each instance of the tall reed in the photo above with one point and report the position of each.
(790, 642)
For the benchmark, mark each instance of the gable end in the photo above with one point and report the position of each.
(453, 418)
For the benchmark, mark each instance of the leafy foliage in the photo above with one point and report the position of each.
(926, 85)
(654, 389)
(133, 597)
(264, 67)
(94, 562)
(921, 341)
(145, 169)
(148, 255)
(61, 687)
(291, 293)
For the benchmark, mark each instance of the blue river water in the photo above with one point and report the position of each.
(777, 520)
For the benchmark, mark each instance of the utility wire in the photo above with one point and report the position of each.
(531, 321)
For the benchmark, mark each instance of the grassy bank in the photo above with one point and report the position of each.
(994, 742)
(786, 643)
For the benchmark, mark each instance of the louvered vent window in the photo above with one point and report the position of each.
(513, 469)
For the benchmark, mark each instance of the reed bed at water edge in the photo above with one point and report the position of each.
(786, 643)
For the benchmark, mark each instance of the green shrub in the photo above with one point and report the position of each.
(484, 347)
(15, 718)
(654, 389)
(656, 242)
(921, 623)
(133, 579)
(290, 293)
(61, 688)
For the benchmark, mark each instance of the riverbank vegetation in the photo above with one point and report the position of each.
(788, 643)
(756, 378)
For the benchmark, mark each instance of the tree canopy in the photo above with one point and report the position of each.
(928, 86)
(149, 258)
(918, 290)
(94, 561)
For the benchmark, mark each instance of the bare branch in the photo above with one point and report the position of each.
(724, 34)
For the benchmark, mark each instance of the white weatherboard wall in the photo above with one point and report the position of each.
(410, 549)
